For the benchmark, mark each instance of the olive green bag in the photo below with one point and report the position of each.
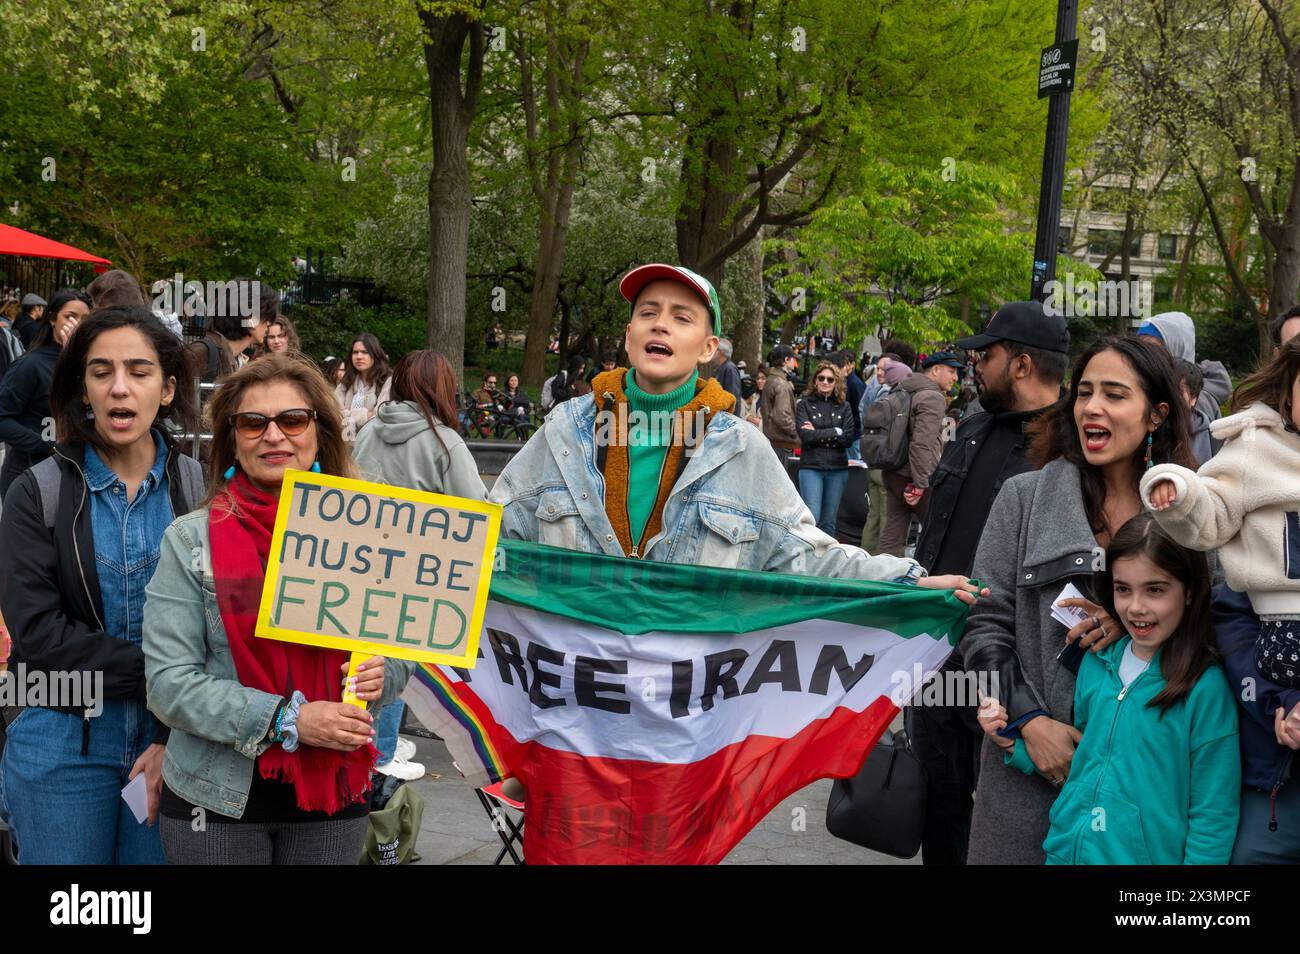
(394, 829)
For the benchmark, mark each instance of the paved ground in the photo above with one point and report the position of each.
(456, 830)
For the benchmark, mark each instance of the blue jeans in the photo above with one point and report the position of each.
(66, 808)
(821, 490)
(386, 728)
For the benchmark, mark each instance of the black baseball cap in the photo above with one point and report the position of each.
(943, 357)
(1026, 323)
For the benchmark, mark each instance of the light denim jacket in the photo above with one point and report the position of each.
(732, 506)
(218, 725)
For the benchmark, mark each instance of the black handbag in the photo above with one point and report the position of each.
(883, 806)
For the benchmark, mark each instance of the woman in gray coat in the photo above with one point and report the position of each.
(412, 442)
(1048, 528)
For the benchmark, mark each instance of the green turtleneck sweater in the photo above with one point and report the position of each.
(645, 460)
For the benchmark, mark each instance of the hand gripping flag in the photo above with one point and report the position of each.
(656, 712)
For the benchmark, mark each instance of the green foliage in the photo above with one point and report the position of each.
(910, 240)
(328, 330)
(177, 141)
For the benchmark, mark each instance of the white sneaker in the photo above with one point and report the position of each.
(399, 768)
(405, 750)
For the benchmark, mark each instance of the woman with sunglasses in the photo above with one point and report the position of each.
(825, 423)
(262, 748)
(78, 543)
(365, 384)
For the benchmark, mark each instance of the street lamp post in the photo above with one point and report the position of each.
(1056, 79)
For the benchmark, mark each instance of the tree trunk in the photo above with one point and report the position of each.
(1120, 322)
(553, 235)
(1181, 281)
(747, 338)
(1285, 281)
(555, 195)
(702, 230)
(449, 200)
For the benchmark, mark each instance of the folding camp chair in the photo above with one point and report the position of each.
(495, 802)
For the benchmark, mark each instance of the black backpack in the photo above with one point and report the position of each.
(48, 477)
(886, 430)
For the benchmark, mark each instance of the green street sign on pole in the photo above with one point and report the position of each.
(1056, 68)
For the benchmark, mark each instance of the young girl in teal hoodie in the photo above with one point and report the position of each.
(1156, 778)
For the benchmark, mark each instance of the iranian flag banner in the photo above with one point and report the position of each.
(656, 712)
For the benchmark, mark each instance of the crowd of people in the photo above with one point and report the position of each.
(122, 554)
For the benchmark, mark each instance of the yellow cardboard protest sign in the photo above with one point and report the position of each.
(378, 570)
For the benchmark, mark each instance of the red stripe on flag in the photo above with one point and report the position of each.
(591, 810)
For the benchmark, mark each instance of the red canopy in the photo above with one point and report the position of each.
(17, 242)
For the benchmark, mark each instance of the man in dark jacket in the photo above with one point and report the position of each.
(1268, 831)
(1022, 358)
(905, 488)
(727, 374)
(854, 388)
(26, 426)
(29, 319)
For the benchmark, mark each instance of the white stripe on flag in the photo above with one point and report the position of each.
(648, 731)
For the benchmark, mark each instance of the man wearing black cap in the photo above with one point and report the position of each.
(29, 319)
(1022, 358)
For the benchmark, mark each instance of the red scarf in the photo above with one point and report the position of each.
(323, 779)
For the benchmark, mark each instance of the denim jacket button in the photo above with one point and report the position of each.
(609, 538)
(551, 509)
(566, 453)
(584, 496)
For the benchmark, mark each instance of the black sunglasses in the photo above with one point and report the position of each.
(822, 377)
(291, 422)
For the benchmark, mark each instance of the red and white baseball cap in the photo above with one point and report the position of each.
(641, 276)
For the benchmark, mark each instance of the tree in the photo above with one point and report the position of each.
(910, 241)
(1226, 75)
(454, 43)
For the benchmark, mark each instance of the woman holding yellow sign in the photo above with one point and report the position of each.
(265, 764)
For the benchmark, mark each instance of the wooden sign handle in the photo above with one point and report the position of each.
(348, 695)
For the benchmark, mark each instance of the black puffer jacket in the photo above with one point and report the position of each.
(49, 587)
(825, 446)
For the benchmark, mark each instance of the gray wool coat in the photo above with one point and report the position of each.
(1036, 540)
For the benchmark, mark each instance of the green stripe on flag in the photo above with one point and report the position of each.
(640, 596)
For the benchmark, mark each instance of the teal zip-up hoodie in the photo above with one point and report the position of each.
(1146, 789)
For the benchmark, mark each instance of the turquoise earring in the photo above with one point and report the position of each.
(230, 472)
(1148, 451)
(315, 467)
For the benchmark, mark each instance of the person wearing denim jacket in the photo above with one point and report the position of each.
(263, 749)
(724, 502)
(218, 726)
(79, 542)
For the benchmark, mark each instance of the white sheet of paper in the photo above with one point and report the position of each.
(1068, 616)
(137, 798)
